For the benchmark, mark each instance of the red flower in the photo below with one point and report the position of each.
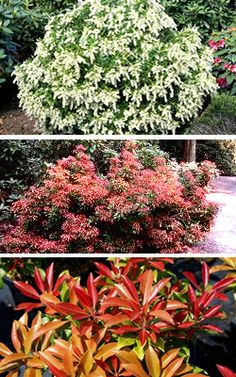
(222, 82)
(217, 60)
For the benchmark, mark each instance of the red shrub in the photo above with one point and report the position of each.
(132, 209)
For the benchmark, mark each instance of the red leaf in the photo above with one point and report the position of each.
(49, 276)
(92, 290)
(85, 300)
(26, 289)
(38, 280)
(28, 306)
(104, 270)
(163, 315)
(191, 277)
(205, 274)
(131, 287)
(67, 308)
(226, 372)
(143, 335)
(211, 328)
(191, 295)
(211, 312)
(125, 329)
(115, 301)
(158, 287)
(206, 298)
(158, 265)
(59, 282)
(185, 325)
(223, 283)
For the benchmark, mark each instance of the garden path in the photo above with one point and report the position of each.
(222, 237)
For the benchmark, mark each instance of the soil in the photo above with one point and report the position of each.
(13, 120)
(16, 122)
(222, 237)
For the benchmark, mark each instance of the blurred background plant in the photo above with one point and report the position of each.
(209, 16)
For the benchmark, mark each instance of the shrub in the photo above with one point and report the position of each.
(218, 119)
(122, 67)
(208, 16)
(54, 5)
(22, 163)
(135, 318)
(131, 208)
(222, 152)
(224, 68)
(20, 27)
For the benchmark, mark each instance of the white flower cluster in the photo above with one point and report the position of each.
(115, 67)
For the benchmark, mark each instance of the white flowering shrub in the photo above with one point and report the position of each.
(115, 66)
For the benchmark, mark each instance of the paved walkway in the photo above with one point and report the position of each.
(222, 237)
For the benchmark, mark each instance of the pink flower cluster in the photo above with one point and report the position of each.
(216, 45)
(224, 67)
(131, 209)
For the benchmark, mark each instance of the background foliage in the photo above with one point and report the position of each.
(208, 16)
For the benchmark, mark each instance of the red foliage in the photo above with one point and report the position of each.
(132, 209)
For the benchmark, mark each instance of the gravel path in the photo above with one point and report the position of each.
(222, 237)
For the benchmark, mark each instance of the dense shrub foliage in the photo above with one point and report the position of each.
(115, 67)
(135, 318)
(132, 208)
(224, 46)
(20, 27)
(207, 15)
(23, 163)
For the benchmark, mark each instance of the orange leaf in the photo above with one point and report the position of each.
(174, 304)
(4, 350)
(153, 362)
(146, 280)
(107, 350)
(53, 363)
(49, 327)
(14, 337)
(173, 367)
(168, 357)
(87, 362)
(136, 370)
(129, 357)
(68, 362)
(13, 358)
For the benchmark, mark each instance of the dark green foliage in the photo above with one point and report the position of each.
(218, 118)
(222, 152)
(207, 15)
(22, 23)
(20, 27)
(53, 5)
(22, 163)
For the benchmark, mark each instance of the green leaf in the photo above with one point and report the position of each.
(125, 342)
(139, 350)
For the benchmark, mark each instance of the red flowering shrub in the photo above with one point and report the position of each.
(223, 43)
(131, 209)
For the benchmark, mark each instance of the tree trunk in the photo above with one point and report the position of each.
(190, 151)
